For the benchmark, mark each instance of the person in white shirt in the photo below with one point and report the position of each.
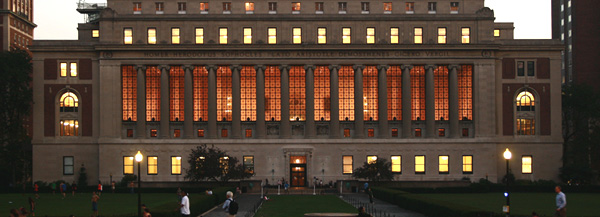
(185, 205)
(229, 195)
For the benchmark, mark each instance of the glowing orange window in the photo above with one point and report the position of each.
(346, 94)
(465, 92)
(248, 93)
(417, 80)
(200, 91)
(297, 93)
(272, 94)
(224, 94)
(394, 93)
(129, 89)
(322, 94)
(152, 93)
(370, 93)
(176, 81)
(441, 93)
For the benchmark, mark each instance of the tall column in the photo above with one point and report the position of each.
(141, 102)
(453, 98)
(429, 100)
(212, 101)
(261, 127)
(359, 110)
(406, 102)
(309, 128)
(188, 98)
(236, 117)
(285, 130)
(164, 101)
(334, 124)
(383, 103)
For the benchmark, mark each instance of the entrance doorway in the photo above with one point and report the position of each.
(298, 171)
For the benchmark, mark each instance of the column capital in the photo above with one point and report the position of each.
(142, 67)
(453, 66)
(332, 67)
(211, 67)
(166, 67)
(284, 67)
(358, 67)
(235, 67)
(186, 67)
(404, 67)
(430, 66)
(383, 67)
(311, 67)
(261, 67)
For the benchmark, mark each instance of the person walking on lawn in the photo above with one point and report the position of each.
(561, 203)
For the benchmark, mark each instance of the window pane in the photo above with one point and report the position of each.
(152, 165)
(272, 35)
(73, 69)
(322, 35)
(465, 92)
(200, 92)
(68, 164)
(248, 93)
(322, 94)
(175, 35)
(441, 35)
(527, 162)
(297, 35)
(127, 165)
(417, 80)
(370, 35)
(394, 36)
(496, 33)
(418, 36)
(127, 36)
(370, 93)
(466, 38)
(224, 99)
(441, 93)
(396, 164)
(176, 101)
(346, 93)
(152, 93)
(297, 81)
(249, 164)
(272, 94)
(443, 167)
(420, 164)
(129, 89)
(347, 164)
(152, 36)
(63, 69)
(371, 159)
(175, 165)
(222, 35)
(69, 128)
(199, 35)
(467, 164)
(394, 93)
(346, 35)
(247, 35)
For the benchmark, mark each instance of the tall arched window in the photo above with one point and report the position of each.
(69, 114)
(69, 102)
(525, 113)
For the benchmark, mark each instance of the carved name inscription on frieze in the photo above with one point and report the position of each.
(304, 54)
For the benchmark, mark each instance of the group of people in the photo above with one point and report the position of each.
(230, 206)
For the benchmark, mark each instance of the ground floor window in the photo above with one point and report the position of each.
(68, 164)
(444, 167)
(420, 164)
(176, 165)
(128, 165)
(467, 164)
(397, 164)
(527, 164)
(152, 165)
(347, 164)
(249, 164)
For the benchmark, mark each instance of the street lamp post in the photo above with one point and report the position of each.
(138, 158)
(507, 156)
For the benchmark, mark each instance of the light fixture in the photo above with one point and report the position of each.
(507, 154)
(139, 157)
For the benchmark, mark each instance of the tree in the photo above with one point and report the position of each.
(15, 106)
(380, 170)
(213, 164)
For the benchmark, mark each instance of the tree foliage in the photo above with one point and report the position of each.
(380, 170)
(15, 105)
(208, 163)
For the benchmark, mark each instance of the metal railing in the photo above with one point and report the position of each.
(369, 208)
(255, 207)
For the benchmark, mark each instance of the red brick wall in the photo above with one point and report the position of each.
(508, 68)
(543, 65)
(586, 43)
(543, 105)
(50, 69)
(84, 92)
(85, 69)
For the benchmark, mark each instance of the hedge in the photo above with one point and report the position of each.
(199, 203)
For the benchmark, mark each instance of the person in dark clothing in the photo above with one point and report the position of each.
(362, 213)
(370, 195)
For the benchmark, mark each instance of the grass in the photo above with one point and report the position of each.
(578, 204)
(298, 205)
(118, 204)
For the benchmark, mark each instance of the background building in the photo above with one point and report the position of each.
(297, 90)
(16, 24)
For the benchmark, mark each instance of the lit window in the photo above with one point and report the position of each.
(370, 93)
(418, 132)
(297, 77)
(200, 94)
(248, 133)
(200, 133)
(151, 35)
(370, 35)
(297, 35)
(68, 165)
(525, 103)
(443, 167)
(342, 6)
(432, 7)
(69, 128)
(199, 35)
(272, 93)
(249, 7)
(224, 100)
(127, 36)
(129, 89)
(69, 102)
(396, 164)
(347, 164)
(442, 35)
(181, 7)
(322, 93)
(322, 35)
(410, 7)
(295, 7)
(371, 159)
(466, 35)
(247, 35)
(153, 133)
(465, 92)
(160, 7)
(440, 76)
(496, 33)
(226, 7)
(176, 89)
(176, 165)
(204, 7)
(222, 35)
(442, 132)
(467, 164)
(153, 94)
(68, 67)
(248, 93)
(137, 8)
(394, 132)
(420, 164)
(224, 163)
(319, 7)
(527, 164)
(152, 165)
(175, 36)
(364, 7)
(129, 133)
(272, 32)
(394, 39)
(95, 33)
(417, 88)
(346, 93)
(387, 7)
(249, 164)
(224, 133)
(454, 7)
(176, 133)
(272, 7)
(346, 35)
(371, 132)
(127, 165)
(346, 132)
(418, 36)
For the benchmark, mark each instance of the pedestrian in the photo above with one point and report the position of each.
(99, 188)
(95, 199)
(230, 206)
(561, 203)
(370, 195)
(113, 185)
(365, 186)
(285, 187)
(36, 190)
(74, 188)
(185, 204)
(53, 187)
(32, 206)
(63, 189)
(362, 213)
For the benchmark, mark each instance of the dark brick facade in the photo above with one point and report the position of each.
(50, 69)
(51, 95)
(543, 103)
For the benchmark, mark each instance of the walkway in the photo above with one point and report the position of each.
(380, 208)
(246, 202)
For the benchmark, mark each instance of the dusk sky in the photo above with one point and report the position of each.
(57, 19)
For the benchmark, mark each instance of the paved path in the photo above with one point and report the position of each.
(246, 202)
(386, 209)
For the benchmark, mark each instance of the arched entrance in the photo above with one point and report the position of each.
(298, 171)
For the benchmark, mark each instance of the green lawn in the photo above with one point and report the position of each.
(298, 205)
(578, 204)
(81, 205)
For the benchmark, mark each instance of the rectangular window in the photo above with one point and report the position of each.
(370, 35)
(387, 7)
(322, 35)
(153, 133)
(319, 7)
(530, 68)
(137, 8)
(249, 164)
(201, 133)
(224, 100)
(520, 68)
(342, 6)
(127, 165)
(95, 33)
(248, 93)
(200, 93)
(224, 133)
(226, 7)
(525, 126)
(396, 164)
(176, 96)
(295, 7)
(176, 165)
(527, 164)
(222, 35)
(418, 35)
(417, 88)
(151, 35)
(466, 35)
(371, 159)
(272, 32)
(370, 93)
(496, 33)
(420, 164)
(175, 38)
(410, 7)
(297, 81)
(364, 6)
(322, 93)
(394, 32)
(73, 70)
(443, 164)
(454, 7)
(394, 132)
(272, 7)
(129, 133)
(432, 7)
(247, 35)
(204, 7)
(442, 35)
(68, 165)
(153, 93)
(152, 165)
(371, 132)
(272, 93)
(199, 35)
(297, 35)
(440, 78)
(418, 132)
(346, 93)
(467, 164)
(69, 128)
(347, 163)
(249, 7)
(346, 35)
(248, 133)
(129, 90)
(465, 132)
(160, 7)
(465, 92)
(181, 8)
(346, 132)
(127, 36)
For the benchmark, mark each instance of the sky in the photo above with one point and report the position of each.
(57, 19)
